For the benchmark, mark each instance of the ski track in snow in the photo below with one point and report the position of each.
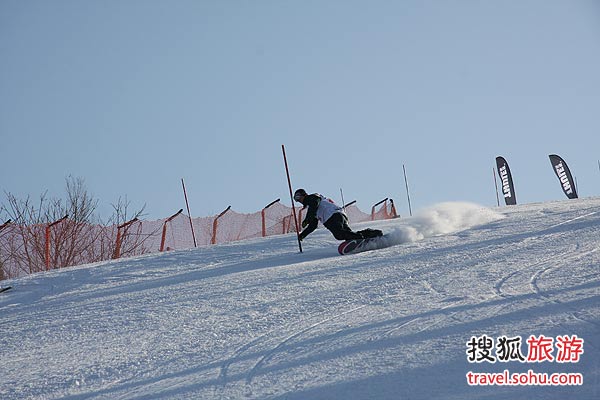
(541, 267)
(257, 320)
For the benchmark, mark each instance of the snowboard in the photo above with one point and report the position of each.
(359, 245)
(4, 289)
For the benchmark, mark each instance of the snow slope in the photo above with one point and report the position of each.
(258, 320)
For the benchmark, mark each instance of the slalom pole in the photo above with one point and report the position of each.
(287, 172)
(496, 184)
(342, 193)
(407, 192)
(189, 214)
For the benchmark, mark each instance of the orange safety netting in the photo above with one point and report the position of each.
(29, 249)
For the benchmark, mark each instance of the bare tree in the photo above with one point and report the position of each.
(23, 243)
(80, 238)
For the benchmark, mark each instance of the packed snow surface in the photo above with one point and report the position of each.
(257, 319)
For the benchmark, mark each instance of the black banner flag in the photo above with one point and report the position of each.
(508, 188)
(564, 176)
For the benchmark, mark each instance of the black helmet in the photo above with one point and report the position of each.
(299, 193)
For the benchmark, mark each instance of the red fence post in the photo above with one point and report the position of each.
(118, 244)
(373, 208)
(213, 240)
(47, 248)
(262, 214)
(349, 204)
(393, 213)
(47, 252)
(4, 225)
(164, 231)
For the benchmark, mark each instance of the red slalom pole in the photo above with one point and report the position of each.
(287, 172)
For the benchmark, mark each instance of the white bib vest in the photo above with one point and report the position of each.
(327, 208)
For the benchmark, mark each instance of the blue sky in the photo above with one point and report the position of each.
(135, 95)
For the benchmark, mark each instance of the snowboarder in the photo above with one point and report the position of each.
(331, 216)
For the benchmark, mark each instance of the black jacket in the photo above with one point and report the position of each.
(311, 201)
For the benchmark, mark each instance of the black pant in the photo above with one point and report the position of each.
(338, 225)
